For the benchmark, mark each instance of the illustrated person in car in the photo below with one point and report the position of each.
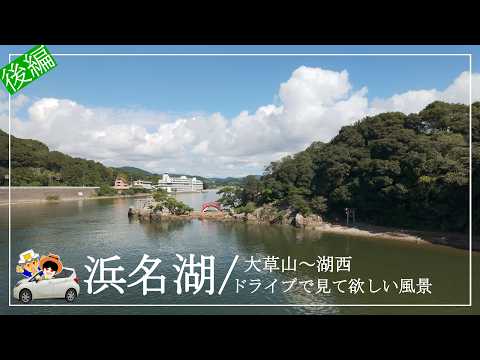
(28, 264)
(46, 283)
(50, 266)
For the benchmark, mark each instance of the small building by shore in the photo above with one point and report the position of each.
(143, 184)
(121, 184)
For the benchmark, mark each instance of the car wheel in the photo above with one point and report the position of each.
(70, 295)
(25, 296)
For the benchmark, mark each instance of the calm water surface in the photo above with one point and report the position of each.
(101, 228)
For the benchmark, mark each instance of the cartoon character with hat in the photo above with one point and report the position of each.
(28, 265)
(50, 265)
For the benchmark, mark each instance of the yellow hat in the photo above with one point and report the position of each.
(28, 256)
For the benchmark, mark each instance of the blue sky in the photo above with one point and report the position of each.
(199, 84)
(171, 88)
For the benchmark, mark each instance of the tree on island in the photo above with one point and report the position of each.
(164, 201)
(230, 196)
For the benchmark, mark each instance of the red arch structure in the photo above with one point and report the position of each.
(212, 204)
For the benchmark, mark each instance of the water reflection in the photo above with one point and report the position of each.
(155, 230)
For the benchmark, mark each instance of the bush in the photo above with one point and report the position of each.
(182, 209)
(160, 195)
(106, 190)
(52, 197)
(299, 204)
(136, 190)
(130, 191)
(247, 209)
(176, 207)
(157, 208)
(319, 205)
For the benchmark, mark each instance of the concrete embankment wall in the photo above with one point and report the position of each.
(39, 193)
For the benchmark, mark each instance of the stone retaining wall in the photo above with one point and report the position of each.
(36, 193)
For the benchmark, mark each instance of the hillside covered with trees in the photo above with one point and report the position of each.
(394, 169)
(34, 164)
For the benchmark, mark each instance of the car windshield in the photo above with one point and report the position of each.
(33, 278)
(64, 274)
(67, 272)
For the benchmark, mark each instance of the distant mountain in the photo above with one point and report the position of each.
(133, 170)
(228, 181)
(34, 164)
(134, 173)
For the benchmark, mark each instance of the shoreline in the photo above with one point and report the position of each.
(421, 237)
(43, 201)
(455, 240)
(451, 240)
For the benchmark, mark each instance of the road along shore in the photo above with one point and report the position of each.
(49, 194)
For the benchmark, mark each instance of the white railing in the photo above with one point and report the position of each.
(143, 203)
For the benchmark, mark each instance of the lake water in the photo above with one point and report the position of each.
(101, 229)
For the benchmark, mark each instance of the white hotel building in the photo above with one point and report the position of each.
(143, 184)
(179, 184)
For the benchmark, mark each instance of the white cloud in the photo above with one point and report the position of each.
(313, 104)
(415, 100)
(18, 101)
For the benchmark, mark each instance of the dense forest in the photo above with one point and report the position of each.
(34, 164)
(393, 169)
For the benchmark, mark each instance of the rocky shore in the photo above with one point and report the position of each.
(263, 215)
(270, 215)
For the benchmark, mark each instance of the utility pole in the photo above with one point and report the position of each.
(348, 212)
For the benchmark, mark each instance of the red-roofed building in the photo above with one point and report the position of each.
(121, 184)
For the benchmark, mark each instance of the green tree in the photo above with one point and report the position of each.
(106, 190)
(298, 203)
(160, 195)
(251, 190)
(319, 205)
(174, 206)
(246, 209)
(230, 196)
